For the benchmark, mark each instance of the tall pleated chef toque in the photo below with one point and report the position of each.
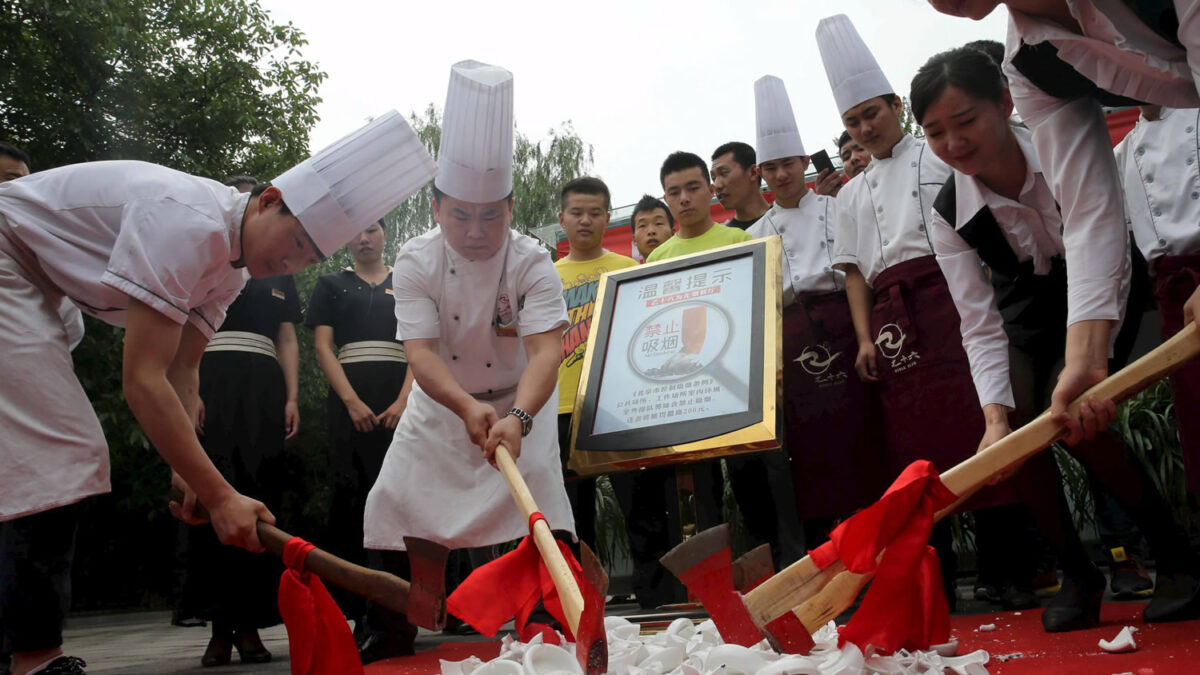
(775, 123)
(854, 74)
(341, 190)
(475, 159)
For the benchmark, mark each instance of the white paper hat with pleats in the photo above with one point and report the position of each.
(475, 159)
(775, 123)
(341, 190)
(854, 74)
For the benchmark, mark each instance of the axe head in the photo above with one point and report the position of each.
(753, 568)
(702, 564)
(591, 641)
(787, 635)
(427, 592)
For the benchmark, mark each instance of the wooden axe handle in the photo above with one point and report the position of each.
(383, 588)
(802, 586)
(564, 581)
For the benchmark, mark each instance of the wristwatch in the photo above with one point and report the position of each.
(526, 420)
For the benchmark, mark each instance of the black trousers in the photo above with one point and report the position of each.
(36, 552)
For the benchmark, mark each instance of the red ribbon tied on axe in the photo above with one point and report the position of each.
(319, 639)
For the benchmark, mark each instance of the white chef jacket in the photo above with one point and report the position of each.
(103, 232)
(807, 233)
(1032, 226)
(434, 482)
(1160, 168)
(883, 213)
(1071, 136)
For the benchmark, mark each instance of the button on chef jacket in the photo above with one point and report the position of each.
(807, 232)
(107, 231)
(1160, 168)
(1071, 135)
(883, 213)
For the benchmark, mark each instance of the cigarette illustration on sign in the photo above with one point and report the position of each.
(679, 341)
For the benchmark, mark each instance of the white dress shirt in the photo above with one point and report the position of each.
(1032, 226)
(807, 233)
(883, 213)
(1160, 166)
(104, 232)
(1071, 135)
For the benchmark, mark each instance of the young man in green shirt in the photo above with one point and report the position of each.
(689, 192)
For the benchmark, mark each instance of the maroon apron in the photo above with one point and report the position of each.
(831, 417)
(930, 408)
(1176, 280)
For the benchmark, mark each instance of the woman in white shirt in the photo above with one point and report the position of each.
(998, 209)
(1064, 59)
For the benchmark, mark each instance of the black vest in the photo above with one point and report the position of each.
(1033, 306)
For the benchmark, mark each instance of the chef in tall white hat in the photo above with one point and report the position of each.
(907, 324)
(480, 309)
(819, 338)
(162, 254)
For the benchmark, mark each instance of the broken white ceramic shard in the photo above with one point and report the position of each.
(946, 648)
(1123, 642)
(464, 667)
(987, 627)
(499, 667)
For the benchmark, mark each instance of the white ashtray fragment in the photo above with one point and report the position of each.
(987, 627)
(1123, 642)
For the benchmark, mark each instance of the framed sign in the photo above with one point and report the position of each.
(683, 362)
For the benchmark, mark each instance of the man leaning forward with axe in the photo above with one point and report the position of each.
(162, 254)
(480, 310)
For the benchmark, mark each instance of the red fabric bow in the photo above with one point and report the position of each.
(319, 639)
(905, 607)
(511, 586)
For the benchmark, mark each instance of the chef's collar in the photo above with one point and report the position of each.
(235, 219)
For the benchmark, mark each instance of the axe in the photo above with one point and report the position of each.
(787, 608)
(426, 607)
(585, 619)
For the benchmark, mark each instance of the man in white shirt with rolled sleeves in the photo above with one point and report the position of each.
(162, 254)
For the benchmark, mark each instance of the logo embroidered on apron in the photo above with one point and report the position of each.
(816, 360)
(890, 342)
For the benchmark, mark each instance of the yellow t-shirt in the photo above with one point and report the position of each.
(580, 281)
(717, 236)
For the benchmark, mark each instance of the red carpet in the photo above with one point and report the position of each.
(1163, 649)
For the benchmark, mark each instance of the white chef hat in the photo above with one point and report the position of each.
(853, 72)
(777, 136)
(475, 159)
(341, 190)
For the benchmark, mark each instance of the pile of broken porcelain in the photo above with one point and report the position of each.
(689, 649)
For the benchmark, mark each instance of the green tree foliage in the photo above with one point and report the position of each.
(204, 87)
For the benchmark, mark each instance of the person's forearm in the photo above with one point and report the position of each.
(160, 411)
(1087, 343)
(436, 380)
(335, 374)
(859, 295)
(289, 359)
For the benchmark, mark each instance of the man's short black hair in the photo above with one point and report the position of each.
(743, 153)
(239, 181)
(16, 153)
(682, 161)
(843, 140)
(992, 48)
(648, 203)
(438, 194)
(258, 190)
(586, 185)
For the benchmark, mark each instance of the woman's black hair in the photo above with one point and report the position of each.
(965, 68)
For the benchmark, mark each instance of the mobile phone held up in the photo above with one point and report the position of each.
(821, 161)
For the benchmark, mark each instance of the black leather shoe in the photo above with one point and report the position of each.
(65, 665)
(219, 649)
(1077, 605)
(250, 648)
(378, 647)
(1019, 598)
(1176, 598)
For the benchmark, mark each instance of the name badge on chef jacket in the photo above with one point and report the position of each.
(505, 321)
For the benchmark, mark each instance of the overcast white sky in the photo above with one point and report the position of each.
(637, 78)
